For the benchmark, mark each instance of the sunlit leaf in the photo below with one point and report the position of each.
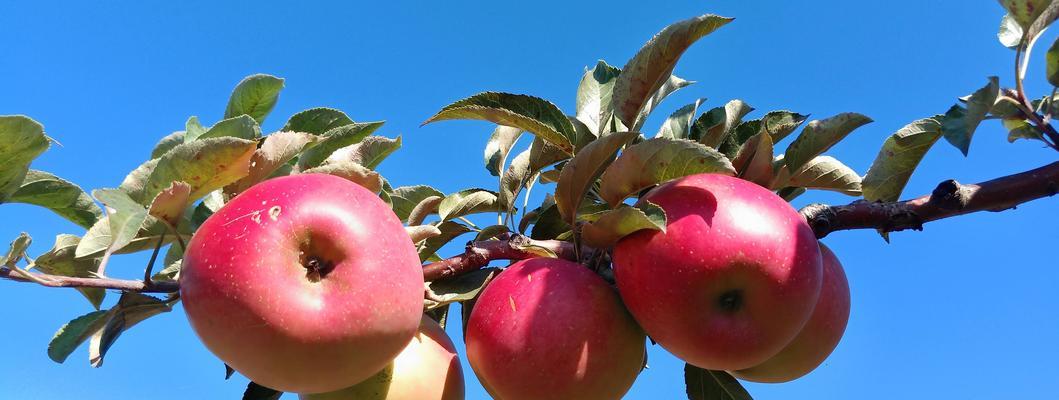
(170, 203)
(826, 173)
(819, 136)
(125, 215)
(419, 233)
(404, 199)
(21, 140)
(655, 161)
(335, 139)
(712, 127)
(753, 162)
(61, 260)
(898, 158)
(607, 227)
(531, 114)
(59, 195)
(352, 171)
(242, 127)
(317, 121)
(131, 309)
(205, 164)
(276, 151)
(581, 172)
(449, 230)
(75, 332)
(167, 143)
(524, 167)
(498, 146)
(469, 201)
(594, 95)
(369, 152)
(678, 125)
(255, 96)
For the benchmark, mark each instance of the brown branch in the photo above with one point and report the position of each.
(478, 254)
(102, 283)
(949, 199)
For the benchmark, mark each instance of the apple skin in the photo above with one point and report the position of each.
(730, 282)
(820, 335)
(427, 369)
(247, 293)
(547, 328)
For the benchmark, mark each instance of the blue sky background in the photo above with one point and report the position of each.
(965, 309)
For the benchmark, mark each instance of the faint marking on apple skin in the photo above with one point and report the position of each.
(511, 301)
(273, 212)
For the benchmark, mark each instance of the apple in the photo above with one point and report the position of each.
(305, 283)
(731, 280)
(547, 328)
(427, 369)
(819, 336)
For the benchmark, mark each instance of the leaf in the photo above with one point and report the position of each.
(581, 172)
(594, 95)
(255, 96)
(528, 113)
(652, 66)
(672, 85)
(958, 124)
(98, 238)
(608, 227)
(317, 121)
(655, 161)
(1052, 63)
(170, 273)
(352, 171)
(242, 127)
(61, 260)
(780, 124)
(17, 250)
(170, 203)
(712, 127)
(468, 201)
(491, 232)
(819, 136)
(678, 125)
(462, 288)
(1010, 33)
(1021, 129)
(73, 333)
(167, 143)
(276, 151)
(898, 158)
(135, 183)
(754, 160)
(449, 230)
(1044, 18)
(124, 214)
(21, 140)
(131, 309)
(404, 199)
(420, 233)
(369, 152)
(59, 195)
(1025, 12)
(524, 167)
(549, 224)
(205, 164)
(826, 173)
(193, 129)
(705, 384)
(335, 139)
(498, 146)
(258, 392)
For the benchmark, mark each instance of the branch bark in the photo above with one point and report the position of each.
(127, 285)
(478, 254)
(949, 199)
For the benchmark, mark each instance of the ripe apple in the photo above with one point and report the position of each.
(730, 282)
(552, 329)
(819, 336)
(306, 283)
(427, 369)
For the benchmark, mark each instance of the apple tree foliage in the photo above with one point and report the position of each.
(599, 156)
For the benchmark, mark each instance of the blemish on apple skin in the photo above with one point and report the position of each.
(511, 301)
(256, 217)
(273, 212)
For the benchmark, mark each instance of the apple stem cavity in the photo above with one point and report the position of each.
(317, 268)
(730, 301)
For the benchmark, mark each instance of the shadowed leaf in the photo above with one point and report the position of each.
(131, 309)
(819, 136)
(678, 125)
(524, 167)
(462, 288)
(498, 146)
(754, 159)
(712, 127)
(606, 228)
(581, 172)
(59, 195)
(75, 332)
(61, 260)
(958, 124)
(705, 384)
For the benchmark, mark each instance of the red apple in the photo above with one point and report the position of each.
(730, 282)
(819, 336)
(552, 329)
(305, 283)
(427, 369)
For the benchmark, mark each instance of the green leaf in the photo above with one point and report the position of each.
(449, 230)
(170, 203)
(1025, 12)
(369, 152)
(167, 143)
(193, 129)
(276, 151)
(258, 392)
(754, 159)
(205, 164)
(242, 127)
(21, 140)
(468, 201)
(819, 136)
(255, 96)
(498, 146)
(491, 232)
(898, 158)
(17, 250)
(419, 233)
(98, 238)
(655, 161)
(678, 125)
(712, 127)
(1021, 129)
(531, 114)
(317, 121)
(171, 273)
(1044, 17)
(780, 124)
(652, 66)
(549, 224)
(62, 260)
(131, 309)
(703, 384)
(826, 173)
(135, 183)
(352, 171)
(608, 227)
(462, 288)
(672, 85)
(958, 124)
(581, 172)
(336, 139)
(75, 332)
(524, 167)
(124, 214)
(1010, 33)
(59, 195)
(594, 95)
(404, 199)
(1052, 63)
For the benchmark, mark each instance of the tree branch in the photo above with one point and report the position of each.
(949, 199)
(478, 254)
(103, 283)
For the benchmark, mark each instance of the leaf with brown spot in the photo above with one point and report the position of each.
(170, 203)
(352, 171)
(276, 150)
(205, 164)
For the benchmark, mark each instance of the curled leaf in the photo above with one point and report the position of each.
(655, 161)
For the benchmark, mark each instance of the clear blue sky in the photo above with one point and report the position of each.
(965, 309)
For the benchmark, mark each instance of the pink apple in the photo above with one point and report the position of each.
(819, 336)
(552, 329)
(427, 369)
(305, 283)
(730, 282)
